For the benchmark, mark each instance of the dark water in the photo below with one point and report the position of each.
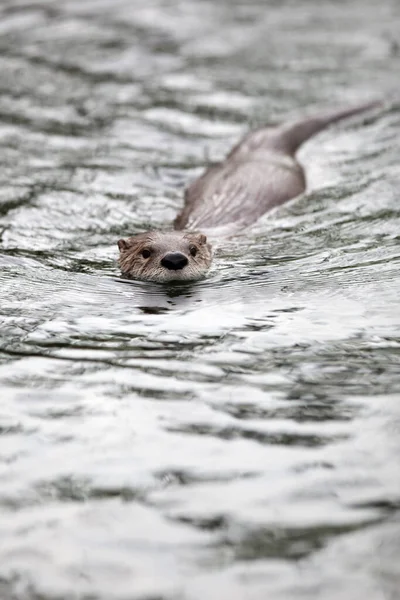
(238, 438)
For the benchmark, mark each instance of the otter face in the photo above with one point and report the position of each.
(165, 256)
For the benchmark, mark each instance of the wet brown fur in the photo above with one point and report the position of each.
(159, 243)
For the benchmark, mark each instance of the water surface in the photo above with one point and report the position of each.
(236, 438)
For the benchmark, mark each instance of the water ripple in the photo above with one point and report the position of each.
(233, 438)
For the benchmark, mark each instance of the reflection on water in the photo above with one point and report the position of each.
(233, 438)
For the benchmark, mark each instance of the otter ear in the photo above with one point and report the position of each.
(123, 245)
(202, 238)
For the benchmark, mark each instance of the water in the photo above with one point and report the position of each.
(237, 438)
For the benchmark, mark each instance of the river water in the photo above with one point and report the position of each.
(233, 439)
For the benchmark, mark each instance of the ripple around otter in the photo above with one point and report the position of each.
(238, 437)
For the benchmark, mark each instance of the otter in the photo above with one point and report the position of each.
(259, 173)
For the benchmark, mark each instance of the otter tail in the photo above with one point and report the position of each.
(292, 135)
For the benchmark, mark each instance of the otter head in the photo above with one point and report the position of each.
(165, 256)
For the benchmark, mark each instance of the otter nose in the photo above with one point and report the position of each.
(174, 261)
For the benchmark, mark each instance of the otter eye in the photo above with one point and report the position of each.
(193, 250)
(146, 253)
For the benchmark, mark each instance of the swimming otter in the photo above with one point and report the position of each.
(259, 173)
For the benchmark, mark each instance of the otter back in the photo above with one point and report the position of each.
(261, 172)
